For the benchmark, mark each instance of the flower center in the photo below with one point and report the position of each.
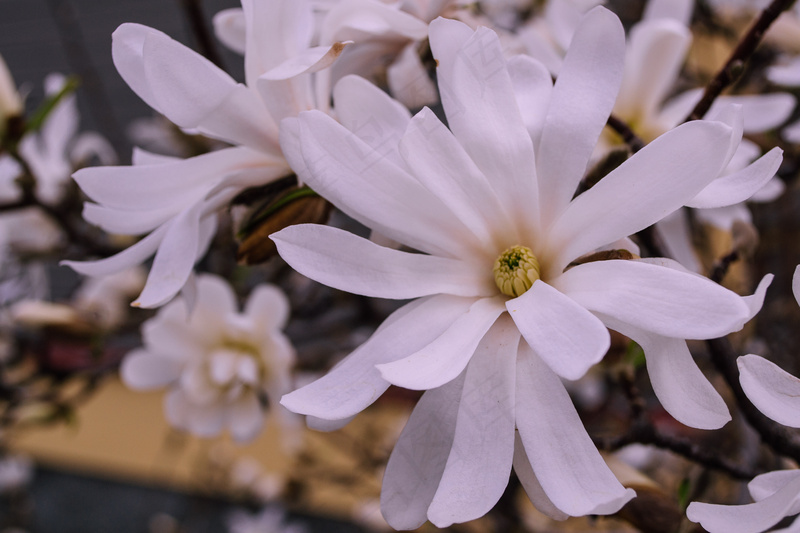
(516, 270)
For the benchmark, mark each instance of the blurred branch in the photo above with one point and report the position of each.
(205, 41)
(627, 134)
(734, 67)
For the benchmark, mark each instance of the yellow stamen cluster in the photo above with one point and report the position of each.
(516, 270)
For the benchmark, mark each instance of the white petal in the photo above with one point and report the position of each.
(246, 418)
(321, 424)
(479, 464)
(750, 518)
(440, 163)
(676, 235)
(344, 261)
(565, 335)
(762, 112)
(131, 256)
(408, 80)
(268, 306)
(533, 87)
(678, 382)
(796, 284)
(142, 370)
(229, 27)
(368, 187)
(662, 300)
(679, 10)
(127, 48)
(566, 463)
(482, 112)
(419, 457)
(774, 391)
(672, 169)
(580, 104)
(174, 260)
(756, 300)
(444, 358)
(308, 61)
(532, 487)
(355, 383)
(125, 222)
(786, 72)
(739, 186)
(371, 115)
(765, 485)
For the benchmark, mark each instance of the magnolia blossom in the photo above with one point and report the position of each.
(176, 200)
(10, 100)
(223, 368)
(507, 304)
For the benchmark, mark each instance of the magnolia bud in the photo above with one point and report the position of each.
(10, 100)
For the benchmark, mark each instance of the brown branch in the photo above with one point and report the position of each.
(735, 65)
(627, 134)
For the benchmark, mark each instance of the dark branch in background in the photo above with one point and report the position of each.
(643, 432)
(735, 64)
(627, 134)
(205, 41)
(69, 30)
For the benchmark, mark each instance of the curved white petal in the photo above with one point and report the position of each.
(308, 61)
(142, 370)
(750, 518)
(477, 469)
(533, 87)
(796, 284)
(661, 300)
(774, 391)
(229, 27)
(580, 104)
(355, 383)
(131, 256)
(268, 306)
(482, 112)
(570, 469)
(321, 424)
(671, 170)
(441, 360)
(246, 418)
(679, 10)
(344, 261)
(676, 235)
(419, 457)
(408, 80)
(563, 334)
(532, 487)
(368, 187)
(765, 485)
(741, 185)
(127, 51)
(762, 112)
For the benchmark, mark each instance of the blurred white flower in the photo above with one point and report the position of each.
(503, 311)
(176, 200)
(10, 100)
(224, 369)
(16, 471)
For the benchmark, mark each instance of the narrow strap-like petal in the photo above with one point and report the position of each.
(774, 391)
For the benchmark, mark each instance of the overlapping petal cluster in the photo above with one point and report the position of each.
(222, 367)
(175, 201)
(503, 177)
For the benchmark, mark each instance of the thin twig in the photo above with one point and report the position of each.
(627, 134)
(735, 64)
(205, 42)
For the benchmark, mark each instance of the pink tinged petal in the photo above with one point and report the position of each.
(229, 27)
(419, 458)
(660, 300)
(739, 186)
(678, 382)
(408, 80)
(676, 235)
(755, 301)
(532, 487)
(563, 334)
(141, 156)
(482, 112)
(750, 518)
(568, 466)
(477, 470)
(367, 186)
(771, 191)
(131, 256)
(127, 49)
(581, 102)
(792, 132)
(440, 163)
(371, 115)
(655, 54)
(678, 10)
(677, 108)
(321, 424)
(540, 48)
(656, 181)
(142, 370)
(774, 391)
(124, 222)
(786, 73)
(762, 112)
(245, 418)
(441, 360)
(290, 146)
(533, 86)
(344, 261)
(355, 383)
(174, 260)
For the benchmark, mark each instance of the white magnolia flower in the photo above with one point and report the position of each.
(776, 393)
(222, 367)
(176, 200)
(10, 100)
(501, 314)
